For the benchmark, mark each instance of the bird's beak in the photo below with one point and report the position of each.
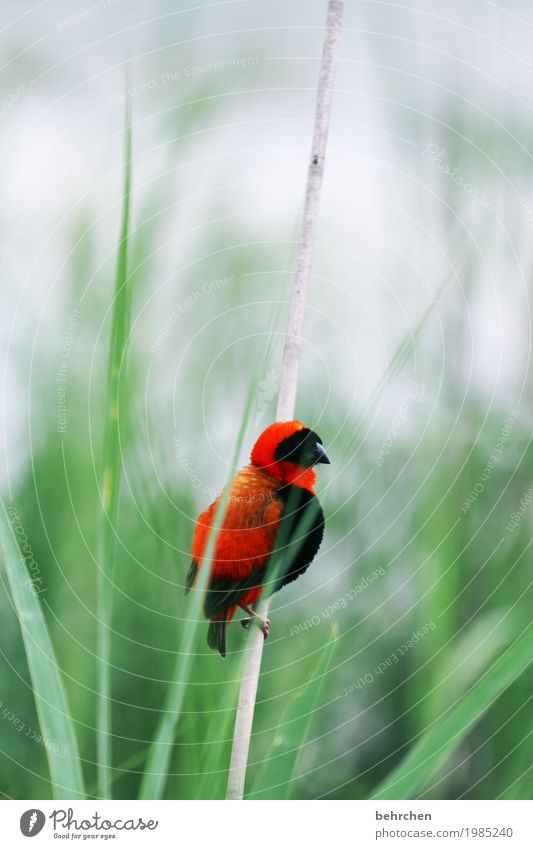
(320, 454)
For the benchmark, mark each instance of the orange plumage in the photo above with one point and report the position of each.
(280, 471)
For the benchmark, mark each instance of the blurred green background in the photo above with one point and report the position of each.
(424, 243)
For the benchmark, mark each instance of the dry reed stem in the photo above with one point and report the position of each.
(290, 366)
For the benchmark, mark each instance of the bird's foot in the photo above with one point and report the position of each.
(264, 624)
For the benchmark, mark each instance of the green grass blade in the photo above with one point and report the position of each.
(111, 478)
(275, 779)
(50, 697)
(447, 732)
(155, 775)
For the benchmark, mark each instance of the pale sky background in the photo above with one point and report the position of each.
(231, 171)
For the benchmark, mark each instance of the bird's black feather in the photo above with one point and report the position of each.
(300, 533)
(191, 577)
(216, 635)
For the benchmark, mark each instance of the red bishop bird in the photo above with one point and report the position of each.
(271, 501)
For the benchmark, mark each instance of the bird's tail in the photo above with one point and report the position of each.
(216, 635)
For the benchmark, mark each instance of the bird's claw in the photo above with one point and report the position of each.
(264, 624)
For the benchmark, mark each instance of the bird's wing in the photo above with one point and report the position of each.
(300, 532)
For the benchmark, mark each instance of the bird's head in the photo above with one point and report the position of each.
(289, 450)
